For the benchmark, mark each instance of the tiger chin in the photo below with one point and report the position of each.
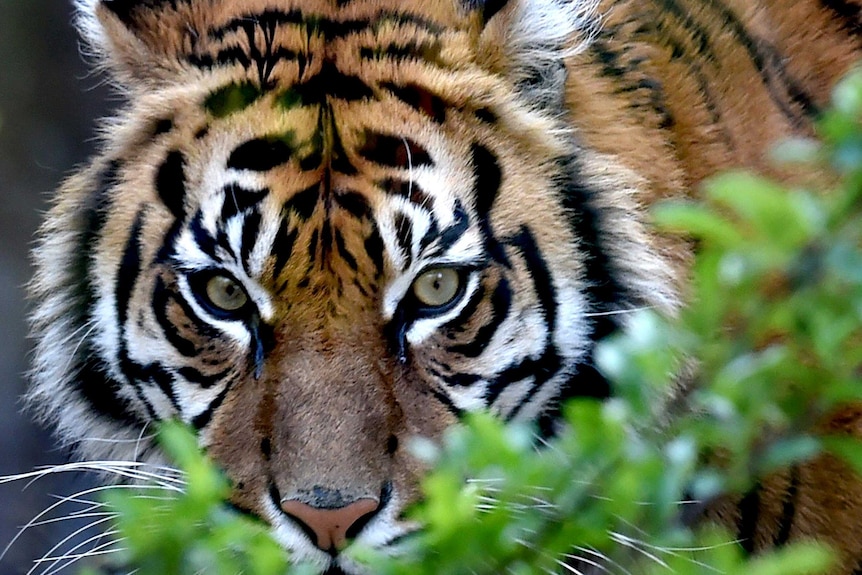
(316, 229)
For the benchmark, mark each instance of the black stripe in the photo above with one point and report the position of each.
(127, 277)
(163, 379)
(420, 99)
(92, 218)
(304, 202)
(848, 13)
(404, 236)
(339, 161)
(547, 366)
(425, 51)
(541, 370)
(354, 203)
(202, 237)
(543, 281)
(91, 378)
(238, 199)
(454, 231)
(325, 239)
(129, 270)
(788, 509)
(375, 249)
(344, 252)
(447, 402)
(128, 10)
(250, 231)
(262, 154)
(312, 245)
(501, 303)
(488, 7)
(262, 342)
(456, 324)
(201, 379)
(395, 152)
(163, 126)
(330, 82)
(101, 391)
(329, 29)
(282, 247)
(171, 183)
(460, 379)
(409, 190)
(749, 514)
(603, 290)
(164, 297)
(202, 419)
(613, 66)
(489, 179)
(765, 58)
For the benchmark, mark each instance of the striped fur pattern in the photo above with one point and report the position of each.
(319, 157)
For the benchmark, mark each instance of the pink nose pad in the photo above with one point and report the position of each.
(330, 526)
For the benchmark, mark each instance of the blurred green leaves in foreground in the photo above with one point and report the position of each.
(775, 328)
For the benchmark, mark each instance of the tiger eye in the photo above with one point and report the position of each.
(225, 293)
(437, 287)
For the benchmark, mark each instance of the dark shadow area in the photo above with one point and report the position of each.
(48, 102)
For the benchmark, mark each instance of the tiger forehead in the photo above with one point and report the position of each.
(281, 38)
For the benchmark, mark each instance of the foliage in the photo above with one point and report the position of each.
(776, 330)
(193, 532)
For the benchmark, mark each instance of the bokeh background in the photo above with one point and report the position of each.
(48, 103)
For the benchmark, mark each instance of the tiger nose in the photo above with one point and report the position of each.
(331, 527)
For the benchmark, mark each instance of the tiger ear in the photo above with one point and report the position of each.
(527, 41)
(141, 41)
(488, 8)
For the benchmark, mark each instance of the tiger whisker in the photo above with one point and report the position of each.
(595, 563)
(47, 556)
(568, 568)
(71, 558)
(619, 311)
(141, 436)
(120, 468)
(75, 516)
(677, 551)
(91, 325)
(634, 545)
(161, 475)
(67, 499)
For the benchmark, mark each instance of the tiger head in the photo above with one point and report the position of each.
(317, 229)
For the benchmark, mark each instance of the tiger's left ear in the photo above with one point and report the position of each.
(143, 41)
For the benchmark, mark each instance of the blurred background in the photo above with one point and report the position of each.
(48, 102)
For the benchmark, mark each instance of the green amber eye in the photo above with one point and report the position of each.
(225, 293)
(437, 287)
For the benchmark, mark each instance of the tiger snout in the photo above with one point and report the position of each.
(316, 445)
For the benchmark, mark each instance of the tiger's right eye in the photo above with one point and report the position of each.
(225, 293)
(220, 294)
(437, 287)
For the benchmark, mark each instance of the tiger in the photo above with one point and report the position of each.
(316, 229)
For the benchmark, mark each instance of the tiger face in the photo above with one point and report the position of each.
(319, 229)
